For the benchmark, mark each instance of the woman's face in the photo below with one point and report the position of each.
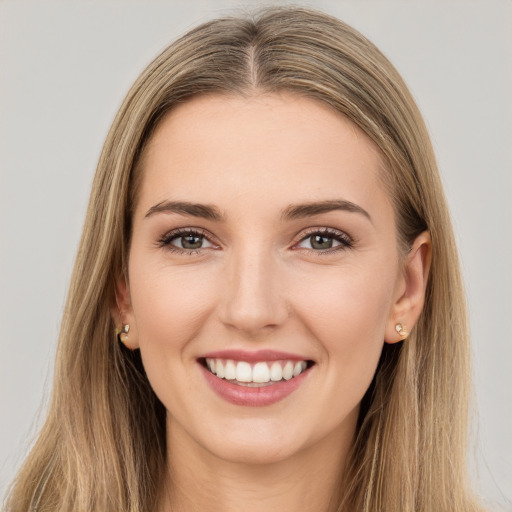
(264, 249)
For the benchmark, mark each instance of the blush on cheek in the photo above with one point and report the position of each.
(171, 305)
(349, 322)
(344, 309)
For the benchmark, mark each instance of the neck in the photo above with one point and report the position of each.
(308, 481)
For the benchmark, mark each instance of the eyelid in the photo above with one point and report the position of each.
(346, 241)
(165, 240)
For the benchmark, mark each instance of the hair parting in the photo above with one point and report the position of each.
(103, 444)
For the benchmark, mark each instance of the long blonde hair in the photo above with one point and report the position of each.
(103, 444)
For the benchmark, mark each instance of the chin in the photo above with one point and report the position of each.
(254, 452)
(248, 441)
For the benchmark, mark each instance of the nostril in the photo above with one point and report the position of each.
(253, 300)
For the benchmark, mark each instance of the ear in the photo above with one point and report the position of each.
(410, 291)
(122, 314)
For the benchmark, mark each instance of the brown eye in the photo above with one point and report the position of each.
(190, 241)
(321, 242)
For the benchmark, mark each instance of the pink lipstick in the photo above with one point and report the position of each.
(254, 378)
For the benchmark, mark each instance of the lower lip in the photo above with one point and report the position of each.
(253, 396)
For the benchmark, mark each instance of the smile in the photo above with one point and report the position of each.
(256, 374)
(252, 379)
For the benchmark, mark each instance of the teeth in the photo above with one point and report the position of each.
(299, 367)
(276, 372)
(219, 369)
(243, 372)
(261, 373)
(230, 370)
(288, 371)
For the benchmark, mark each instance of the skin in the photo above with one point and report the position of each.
(257, 282)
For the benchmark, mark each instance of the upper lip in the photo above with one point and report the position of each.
(254, 356)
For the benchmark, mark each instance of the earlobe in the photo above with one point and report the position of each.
(122, 314)
(409, 303)
(122, 334)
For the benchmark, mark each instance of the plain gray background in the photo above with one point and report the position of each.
(64, 69)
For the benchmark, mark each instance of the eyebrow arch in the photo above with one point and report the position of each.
(291, 212)
(204, 211)
(300, 211)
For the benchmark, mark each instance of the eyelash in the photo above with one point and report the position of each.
(165, 241)
(345, 241)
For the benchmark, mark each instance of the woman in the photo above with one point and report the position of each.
(266, 309)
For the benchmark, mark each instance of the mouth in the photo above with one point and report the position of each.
(254, 379)
(255, 374)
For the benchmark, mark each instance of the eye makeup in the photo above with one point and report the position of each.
(323, 241)
(189, 241)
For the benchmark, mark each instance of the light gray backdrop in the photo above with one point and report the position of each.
(64, 69)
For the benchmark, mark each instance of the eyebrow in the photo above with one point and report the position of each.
(300, 211)
(291, 212)
(204, 211)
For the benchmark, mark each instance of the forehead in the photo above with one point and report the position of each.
(274, 148)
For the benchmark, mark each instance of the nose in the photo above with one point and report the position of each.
(253, 298)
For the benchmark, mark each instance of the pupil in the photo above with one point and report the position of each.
(191, 242)
(321, 242)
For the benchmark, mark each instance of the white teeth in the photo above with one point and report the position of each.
(276, 372)
(288, 371)
(230, 370)
(260, 373)
(243, 372)
(219, 369)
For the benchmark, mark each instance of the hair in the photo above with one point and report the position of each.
(103, 444)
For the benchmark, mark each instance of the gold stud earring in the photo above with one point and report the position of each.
(400, 329)
(122, 333)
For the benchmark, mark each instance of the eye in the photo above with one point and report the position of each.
(325, 240)
(190, 241)
(185, 241)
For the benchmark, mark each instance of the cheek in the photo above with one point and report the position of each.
(345, 311)
(168, 303)
(346, 303)
(169, 306)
